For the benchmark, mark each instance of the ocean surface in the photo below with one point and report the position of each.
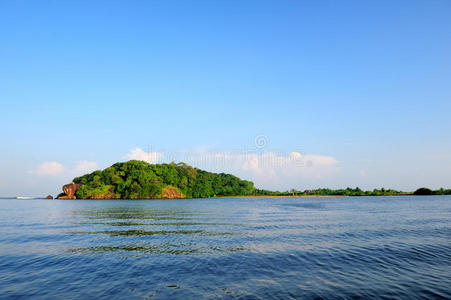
(238, 248)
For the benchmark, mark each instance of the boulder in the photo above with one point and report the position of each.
(69, 191)
(71, 188)
(49, 197)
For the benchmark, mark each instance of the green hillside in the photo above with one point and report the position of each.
(140, 180)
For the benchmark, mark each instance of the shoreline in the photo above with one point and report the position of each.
(248, 196)
(225, 197)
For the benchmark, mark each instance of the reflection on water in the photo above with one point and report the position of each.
(135, 232)
(180, 249)
(259, 248)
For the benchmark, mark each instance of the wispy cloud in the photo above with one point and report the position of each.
(140, 154)
(269, 169)
(49, 168)
(53, 168)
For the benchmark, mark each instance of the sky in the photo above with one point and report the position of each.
(288, 94)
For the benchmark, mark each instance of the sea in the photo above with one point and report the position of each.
(396, 247)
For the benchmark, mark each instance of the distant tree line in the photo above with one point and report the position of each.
(330, 192)
(426, 191)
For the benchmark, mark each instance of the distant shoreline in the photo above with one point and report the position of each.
(309, 196)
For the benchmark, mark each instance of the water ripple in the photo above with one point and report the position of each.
(254, 248)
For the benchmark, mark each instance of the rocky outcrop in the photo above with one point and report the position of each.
(171, 192)
(71, 188)
(49, 197)
(69, 191)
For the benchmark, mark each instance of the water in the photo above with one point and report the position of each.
(246, 248)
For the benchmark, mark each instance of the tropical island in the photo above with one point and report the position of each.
(140, 180)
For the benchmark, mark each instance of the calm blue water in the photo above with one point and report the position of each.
(246, 248)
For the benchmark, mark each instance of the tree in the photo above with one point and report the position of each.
(423, 191)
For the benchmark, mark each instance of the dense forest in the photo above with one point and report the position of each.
(140, 180)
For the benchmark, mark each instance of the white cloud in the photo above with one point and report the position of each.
(48, 168)
(252, 164)
(85, 166)
(52, 168)
(257, 162)
(272, 169)
(140, 154)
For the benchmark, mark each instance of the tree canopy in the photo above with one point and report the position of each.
(426, 192)
(141, 180)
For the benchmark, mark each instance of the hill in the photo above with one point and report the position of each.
(141, 180)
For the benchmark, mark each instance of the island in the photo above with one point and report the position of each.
(141, 180)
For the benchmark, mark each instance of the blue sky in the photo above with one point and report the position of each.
(360, 89)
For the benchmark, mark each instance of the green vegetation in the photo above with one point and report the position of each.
(426, 191)
(328, 192)
(141, 180)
